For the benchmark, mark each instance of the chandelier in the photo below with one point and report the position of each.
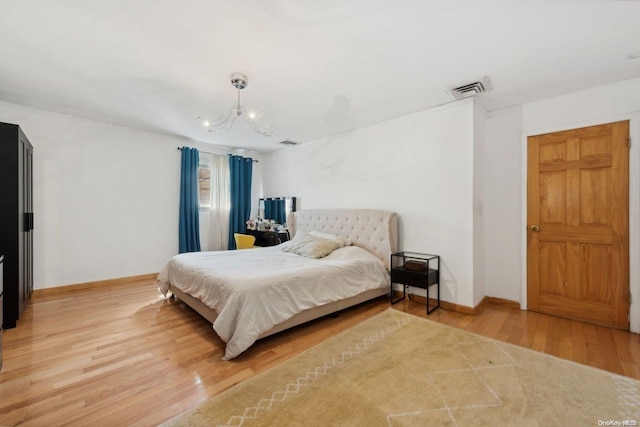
(225, 122)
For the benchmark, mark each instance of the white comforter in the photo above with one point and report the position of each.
(254, 289)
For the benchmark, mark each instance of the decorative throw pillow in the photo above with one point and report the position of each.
(311, 246)
(316, 233)
(299, 235)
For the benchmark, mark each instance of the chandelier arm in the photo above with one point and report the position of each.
(220, 120)
(259, 127)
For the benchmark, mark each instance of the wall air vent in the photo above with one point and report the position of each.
(471, 89)
(287, 142)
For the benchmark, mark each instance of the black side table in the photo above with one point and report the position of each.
(418, 270)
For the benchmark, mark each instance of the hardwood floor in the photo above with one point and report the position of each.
(124, 355)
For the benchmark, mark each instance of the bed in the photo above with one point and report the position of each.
(253, 293)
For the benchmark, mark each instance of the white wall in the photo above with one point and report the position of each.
(479, 232)
(503, 204)
(105, 197)
(420, 166)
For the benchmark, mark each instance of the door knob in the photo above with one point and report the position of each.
(534, 228)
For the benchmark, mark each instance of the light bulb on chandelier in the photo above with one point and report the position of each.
(225, 122)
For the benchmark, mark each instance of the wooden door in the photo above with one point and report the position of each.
(578, 224)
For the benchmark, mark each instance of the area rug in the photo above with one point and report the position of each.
(396, 369)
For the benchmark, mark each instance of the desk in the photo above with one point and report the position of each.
(268, 238)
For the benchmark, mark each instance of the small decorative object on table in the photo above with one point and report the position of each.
(418, 270)
(414, 265)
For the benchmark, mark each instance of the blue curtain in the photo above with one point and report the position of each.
(275, 209)
(189, 234)
(240, 171)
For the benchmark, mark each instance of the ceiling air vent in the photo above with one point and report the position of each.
(470, 89)
(287, 142)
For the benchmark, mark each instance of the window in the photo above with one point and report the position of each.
(204, 181)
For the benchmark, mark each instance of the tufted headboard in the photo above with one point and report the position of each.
(373, 230)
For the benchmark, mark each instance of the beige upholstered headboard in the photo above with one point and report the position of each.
(373, 230)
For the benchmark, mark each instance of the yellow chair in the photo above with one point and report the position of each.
(244, 241)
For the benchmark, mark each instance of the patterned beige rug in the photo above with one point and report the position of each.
(396, 369)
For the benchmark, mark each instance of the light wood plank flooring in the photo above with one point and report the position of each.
(124, 355)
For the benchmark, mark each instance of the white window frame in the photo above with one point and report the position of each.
(206, 162)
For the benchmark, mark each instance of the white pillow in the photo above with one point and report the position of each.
(311, 246)
(345, 242)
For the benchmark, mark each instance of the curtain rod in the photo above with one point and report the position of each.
(206, 152)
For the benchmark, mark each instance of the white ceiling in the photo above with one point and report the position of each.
(316, 68)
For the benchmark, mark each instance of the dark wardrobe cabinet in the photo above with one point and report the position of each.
(16, 220)
(1, 307)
